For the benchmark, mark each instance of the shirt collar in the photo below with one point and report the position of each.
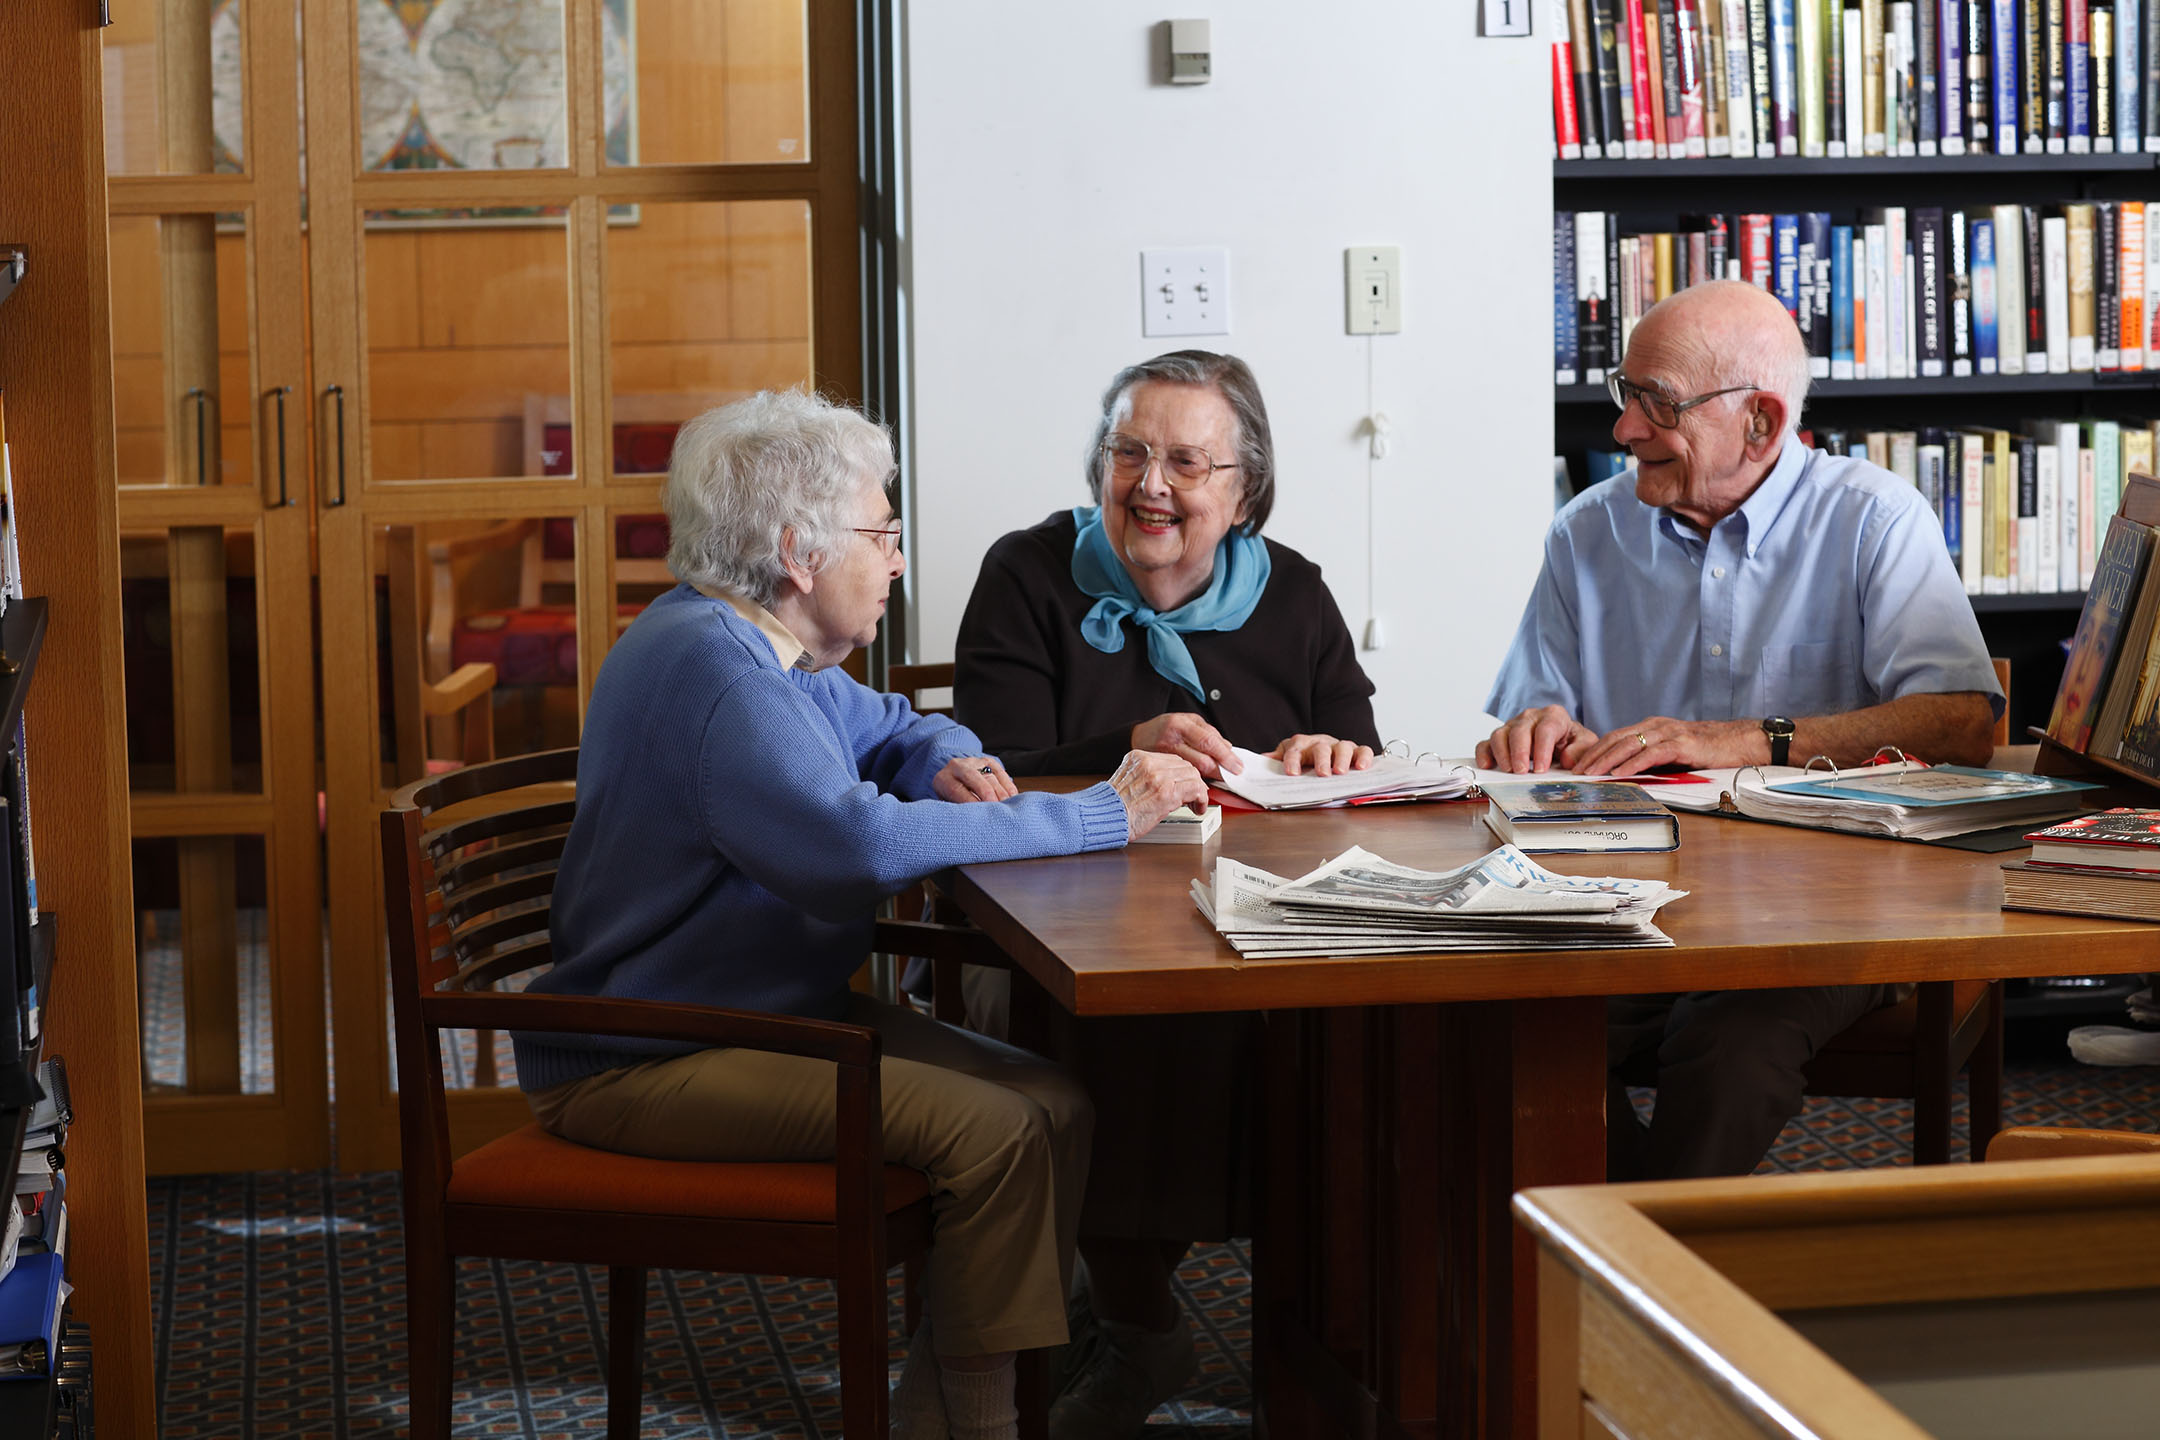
(1759, 512)
(788, 650)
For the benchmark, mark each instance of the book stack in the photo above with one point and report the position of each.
(2022, 511)
(1885, 293)
(2107, 863)
(1689, 79)
(1360, 904)
(2108, 705)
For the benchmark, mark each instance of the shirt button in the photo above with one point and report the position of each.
(1717, 573)
(1214, 694)
(1717, 649)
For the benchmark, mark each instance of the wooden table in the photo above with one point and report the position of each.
(1408, 1097)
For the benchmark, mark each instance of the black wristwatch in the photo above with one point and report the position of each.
(1780, 731)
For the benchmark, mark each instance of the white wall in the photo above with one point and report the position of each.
(1042, 156)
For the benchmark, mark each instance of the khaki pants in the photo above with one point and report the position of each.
(1002, 1134)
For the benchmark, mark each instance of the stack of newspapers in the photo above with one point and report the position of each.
(1360, 904)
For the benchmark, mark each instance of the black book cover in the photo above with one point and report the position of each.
(1613, 357)
(2107, 284)
(1833, 81)
(1926, 71)
(1979, 84)
(1928, 247)
(1961, 352)
(2035, 288)
(1608, 73)
(1814, 285)
(2028, 477)
(2057, 75)
(1583, 40)
(1758, 27)
(2032, 70)
(2102, 40)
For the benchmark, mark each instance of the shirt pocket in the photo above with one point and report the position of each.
(1820, 678)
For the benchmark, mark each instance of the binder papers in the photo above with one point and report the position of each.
(1391, 778)
(1903, 800)
(1360, 904)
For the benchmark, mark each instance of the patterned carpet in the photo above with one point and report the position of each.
(279, 1307)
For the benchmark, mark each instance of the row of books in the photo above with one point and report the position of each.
(34, 1241)
(1893, 293)
(2022, 512)
(1681, 79)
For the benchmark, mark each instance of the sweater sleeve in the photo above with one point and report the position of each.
(896, 748)
(1005, 682)
(793, 813)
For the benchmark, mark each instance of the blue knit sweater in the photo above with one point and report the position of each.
(738, 823)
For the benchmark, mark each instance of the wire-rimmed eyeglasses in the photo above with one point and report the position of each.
(888, 537)
(1184, 467)
(1659, 408)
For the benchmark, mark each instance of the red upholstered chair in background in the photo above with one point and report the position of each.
(469, 864)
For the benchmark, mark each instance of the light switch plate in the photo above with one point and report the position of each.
(1185, 292)
(1372, 289)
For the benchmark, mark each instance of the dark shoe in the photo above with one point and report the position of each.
(1126, 1373)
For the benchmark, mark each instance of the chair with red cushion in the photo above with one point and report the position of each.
(469, 862)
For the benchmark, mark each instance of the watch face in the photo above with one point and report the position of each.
(1778, 725)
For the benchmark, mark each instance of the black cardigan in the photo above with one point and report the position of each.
(1046, 702)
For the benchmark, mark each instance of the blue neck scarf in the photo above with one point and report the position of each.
(1241, 574)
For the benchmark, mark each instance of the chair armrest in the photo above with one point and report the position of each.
(933, 941)
(704, 1025)
(463, 686)
(495, 537)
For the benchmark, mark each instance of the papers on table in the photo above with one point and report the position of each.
(1904, 800)
(1391, 778)
(1360, 904)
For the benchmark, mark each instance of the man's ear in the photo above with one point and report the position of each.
(803, 577)
(1765, 425)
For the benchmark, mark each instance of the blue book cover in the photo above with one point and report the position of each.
(1814, 289)
(1953, 499)
(1983, 296)
(1604, 464)
(1566, 355)
(1784, 67)
(1950, 93)
(2003, 43)
(1785, 262)
(29, 1316)
(2129, 76)
(1900, 784)
(1841, 311)
(2077, 124)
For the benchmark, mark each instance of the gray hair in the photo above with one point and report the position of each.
(743, 475)
(1228, 377)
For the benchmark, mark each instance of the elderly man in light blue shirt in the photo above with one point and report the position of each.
(1736, 599)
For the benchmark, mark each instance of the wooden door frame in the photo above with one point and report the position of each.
(288, 1128)
(339, 195)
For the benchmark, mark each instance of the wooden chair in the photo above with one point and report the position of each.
(1913, 1051)
(469, 864)
(912, 680)
(2049, 1142)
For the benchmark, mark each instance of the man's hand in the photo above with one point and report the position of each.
(1539, 739)
(1190, 738)
(1321, 754)
(1153, 785)
(1662, 740)
(973, 777)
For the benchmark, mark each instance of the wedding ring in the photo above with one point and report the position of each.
(1642, 739)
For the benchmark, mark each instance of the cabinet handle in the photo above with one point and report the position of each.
(203, 400)
(278, 393)
(337, 397)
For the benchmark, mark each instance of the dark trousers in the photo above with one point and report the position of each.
(1729, 1073)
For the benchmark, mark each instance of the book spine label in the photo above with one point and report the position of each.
(1959, 289)
(1927, 246)
(1567, 357)
(2102, 104)
(1979, 16)
(2033, 73)
(1855, 111)
(1615, 335)
(1715, 139)
(1901, 106)
(2132, 268)
(1972, 487)
(1878, 306)
(1755, 266)
(2025, 563)
(2129, 101)
(1693, 139)
(1841, 302)
(1871, 75)
(1608, 79)
(1664, 80)
(2151, 331)
(1815, 284)
(1898, 296)
(1739, 76)
(2003, 47)
(2077, 74)
(1592, 320)
(1927, 74)
(2078, 576)
(1636, 60)
(2055, 74)
(1808, 75)
(2107, 286)
(1759, 47)
(2056, 306)
(2009, 238)
(2078, 276)
(2147, 67)
(1582, 55)
(2039, 355)
(1950, 75)
(1831, 38)
(1567, 129)
(1785, 262)
(1784, 47)
(1983, 296)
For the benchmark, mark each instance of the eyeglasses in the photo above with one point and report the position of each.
(1659, 408)
(1184, 467)
(888, 537)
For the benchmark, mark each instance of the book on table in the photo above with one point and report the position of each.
(1184, 826)
(2118, 839)
(2105, 894)
(1554, 816)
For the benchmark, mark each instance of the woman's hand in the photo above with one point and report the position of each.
(1153, 785)
(1190, 738)
(1321, 754)
(973, 777)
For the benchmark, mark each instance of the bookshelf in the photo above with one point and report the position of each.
(1649, 195)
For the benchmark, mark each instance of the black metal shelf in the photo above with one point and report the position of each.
(22, 636)
(2065, 600)
(1789, 165)
(13, 263)
(2076, 383)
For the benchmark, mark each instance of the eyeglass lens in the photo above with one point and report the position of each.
(1181, 463)
(1656, 408)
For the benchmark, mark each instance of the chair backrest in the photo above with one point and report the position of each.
(469, 861)
(912, 680)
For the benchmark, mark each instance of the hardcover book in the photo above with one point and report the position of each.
(2118, 839)
(2094, 648)
(1549, 816)
(2114, 895)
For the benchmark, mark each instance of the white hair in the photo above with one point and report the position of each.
(745, 475)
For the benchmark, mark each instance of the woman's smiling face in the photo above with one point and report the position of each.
(1167, 537)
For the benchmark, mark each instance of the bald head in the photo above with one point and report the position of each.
(1728, 332)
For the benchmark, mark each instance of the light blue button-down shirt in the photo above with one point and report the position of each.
(1829, 590)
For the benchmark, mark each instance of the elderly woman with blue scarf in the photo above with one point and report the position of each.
(1158, 619)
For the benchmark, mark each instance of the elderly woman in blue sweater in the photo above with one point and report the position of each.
(743, 805)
